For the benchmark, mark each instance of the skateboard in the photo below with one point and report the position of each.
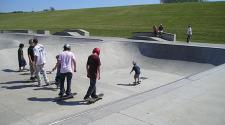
(93, 100)
(138, 82)
(65, 97)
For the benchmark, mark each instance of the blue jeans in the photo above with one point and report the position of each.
(68, 77)
(92, 89)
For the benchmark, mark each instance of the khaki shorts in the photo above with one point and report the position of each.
(136, 75)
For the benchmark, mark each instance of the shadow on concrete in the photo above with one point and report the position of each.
(13, 82)
(129, 84)
(143, 78)
(71, 103)
(25, 74)
(19, 86)
(57, 101)
(35, 99)
(10, 70)
(46, 88)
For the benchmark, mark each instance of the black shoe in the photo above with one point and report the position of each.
(60, 95)
(32, 78)
(95, 96)
(87, 98)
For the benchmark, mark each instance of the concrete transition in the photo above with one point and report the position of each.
(73, 32)
(180, 83)
(44, 32)
(150, 36)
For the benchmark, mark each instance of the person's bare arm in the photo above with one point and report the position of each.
(98, 71)
(55, 67)
(75, 65)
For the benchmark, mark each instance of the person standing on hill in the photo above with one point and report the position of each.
(21, 60)
(31, 59)
(155, 30)
(93, 73)
(39, 61)
(160, 30)
(67, 63)
(189, 33)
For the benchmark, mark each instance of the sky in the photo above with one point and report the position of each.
(38, 5)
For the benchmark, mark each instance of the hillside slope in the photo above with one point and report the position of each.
(207, 20)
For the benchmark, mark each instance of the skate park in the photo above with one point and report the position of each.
(180, 83)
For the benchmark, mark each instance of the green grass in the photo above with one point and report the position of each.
(207, 20)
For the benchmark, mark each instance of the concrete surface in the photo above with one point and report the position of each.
(170, 90)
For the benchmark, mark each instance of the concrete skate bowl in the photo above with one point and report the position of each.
(160, 64)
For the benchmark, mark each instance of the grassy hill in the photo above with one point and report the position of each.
(207, 20)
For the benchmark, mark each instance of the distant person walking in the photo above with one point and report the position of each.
(93, 73)
(137, 71)
(39, 61)
(189, 33)
(21, 60)
(67, 63)
(30, 52)
(160, 30)
(155, 30)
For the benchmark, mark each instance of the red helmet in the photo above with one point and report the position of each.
(96, 50)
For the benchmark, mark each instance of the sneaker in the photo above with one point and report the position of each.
(87, 98)
(69, 95)
(47, 84)
(60, 95)
(32, 78)
(95, 97)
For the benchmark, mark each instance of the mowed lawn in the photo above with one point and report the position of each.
(207, 20)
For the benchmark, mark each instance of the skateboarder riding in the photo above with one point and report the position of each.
(93, 73)
(136, 68)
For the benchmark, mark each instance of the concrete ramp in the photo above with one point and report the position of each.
(28, 104)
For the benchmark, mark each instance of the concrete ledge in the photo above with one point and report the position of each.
(45, 32)
(79, 31)
(148, 35)
(168, 36)
(73, 32)
(17, 31)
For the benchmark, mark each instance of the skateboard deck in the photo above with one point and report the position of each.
(93, 100)
(65, 97)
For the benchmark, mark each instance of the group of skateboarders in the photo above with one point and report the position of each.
(65, 65)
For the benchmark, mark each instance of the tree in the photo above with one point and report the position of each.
(180, 1)
(52, 9)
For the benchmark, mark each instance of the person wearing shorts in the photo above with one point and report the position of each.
(137, 71)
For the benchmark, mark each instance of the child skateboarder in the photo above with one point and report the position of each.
(57, 77)
(137, 70)
(21, 60)
(31, 59)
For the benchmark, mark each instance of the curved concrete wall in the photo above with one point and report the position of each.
(214, 56)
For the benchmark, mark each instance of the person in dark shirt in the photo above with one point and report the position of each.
(137, 71)
(31, 59)
(93, 73)
(21, 60)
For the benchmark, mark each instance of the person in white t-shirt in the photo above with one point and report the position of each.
(68, 65)
(189, 33)
(39, 61)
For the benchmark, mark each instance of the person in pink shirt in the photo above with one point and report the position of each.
(68, 65)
